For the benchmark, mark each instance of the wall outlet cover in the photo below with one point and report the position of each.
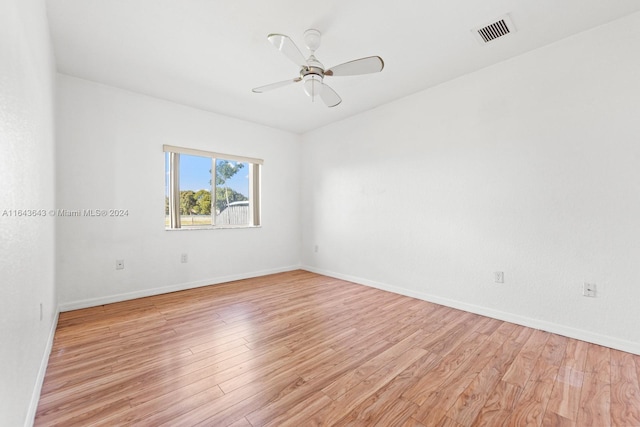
(589, 290)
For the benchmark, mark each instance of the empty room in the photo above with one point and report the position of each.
(244, 213)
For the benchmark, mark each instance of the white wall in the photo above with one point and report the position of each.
(531, 167)
(27, 177)
(110, 156)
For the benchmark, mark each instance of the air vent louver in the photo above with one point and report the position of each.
(493, 31)
(501, 27)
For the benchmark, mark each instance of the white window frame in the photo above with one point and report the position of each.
(255, 166)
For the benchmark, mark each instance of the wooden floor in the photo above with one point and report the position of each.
(298, 349)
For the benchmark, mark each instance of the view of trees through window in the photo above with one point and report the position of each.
(207, 197)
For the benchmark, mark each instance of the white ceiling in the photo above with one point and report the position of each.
(209, 54)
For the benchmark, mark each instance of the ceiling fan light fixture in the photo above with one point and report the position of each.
(312, 85)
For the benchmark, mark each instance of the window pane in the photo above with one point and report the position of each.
(195, 190)
(232, 192)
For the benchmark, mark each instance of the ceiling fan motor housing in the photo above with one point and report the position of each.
(312, 71)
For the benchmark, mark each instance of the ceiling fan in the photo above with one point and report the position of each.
(312, 72)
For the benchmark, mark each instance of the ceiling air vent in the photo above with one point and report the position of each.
(500, 28)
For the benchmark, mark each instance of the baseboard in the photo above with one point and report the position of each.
(37, 389)
(93, 302)
(567, 331)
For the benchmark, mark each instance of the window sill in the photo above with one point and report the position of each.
(214, 227)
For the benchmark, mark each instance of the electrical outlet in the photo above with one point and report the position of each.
(589, 290)
(498, 276)
(119, 264)
(184, 258)
(315, 248)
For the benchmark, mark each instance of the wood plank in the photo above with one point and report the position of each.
(471, 401)
(346, 402)
(386, 403)
(395, 413)
(457, 359)
(242, 422)
(553, 419)
(565, 397)
(520, 370)
(175, 397)
(298, 414)
(595, 398)
(625, 393)
(313, 383)
(434, 406)
(535, 395)
(412, 422)
(353, 378)
(499, 405)
(241, 401)
(167, 414)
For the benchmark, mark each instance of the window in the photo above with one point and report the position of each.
(210, 190)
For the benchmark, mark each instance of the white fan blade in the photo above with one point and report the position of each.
(370, 64)
(275, 85)
(285, 45)
(329, 96)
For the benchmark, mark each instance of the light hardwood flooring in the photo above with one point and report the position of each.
(298, 349)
